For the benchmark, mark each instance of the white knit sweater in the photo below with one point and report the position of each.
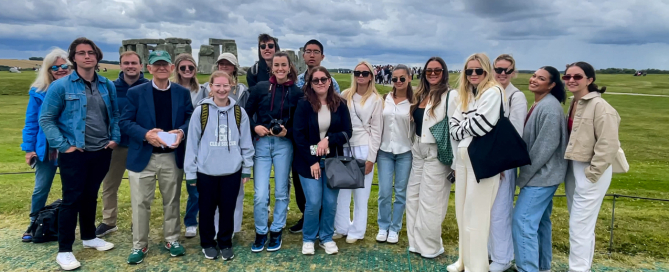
(478, 119)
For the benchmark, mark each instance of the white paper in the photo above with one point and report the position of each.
(167, 138)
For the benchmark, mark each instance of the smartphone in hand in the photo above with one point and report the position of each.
(451, 177)
(33, 162)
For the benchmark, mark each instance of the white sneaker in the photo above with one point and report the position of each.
(67, 261)
(412, 250)
(191, 231)
(330, 247)
(499, 267)
(308, 248)
(337, 236)
(351, 240)
(382, 236)
(393, 237)
(455, 267)
(98, 244)
(431, 256)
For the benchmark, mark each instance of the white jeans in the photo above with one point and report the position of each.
(239, 212)
(343, 224)
(584, 199)
(500, 243)
(473, 202)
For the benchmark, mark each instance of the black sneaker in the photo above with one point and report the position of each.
(259, 244)
(227, 254)
(297, 228)
(103, 230)
(210, 253)
(27, 237)
(274, 240)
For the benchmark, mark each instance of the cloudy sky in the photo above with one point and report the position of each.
(606, 33)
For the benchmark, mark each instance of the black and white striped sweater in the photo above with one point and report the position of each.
(479, 118)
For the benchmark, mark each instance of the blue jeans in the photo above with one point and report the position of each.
(398, 166)
(277, 152)
(318, 222)
(532, 228)
(44, 173)
(192, 207)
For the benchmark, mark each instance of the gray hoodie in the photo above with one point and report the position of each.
(240, 93)
(220, 150)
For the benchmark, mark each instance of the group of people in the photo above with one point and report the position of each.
(220, 133)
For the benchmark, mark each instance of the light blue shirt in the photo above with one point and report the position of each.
(300, 82)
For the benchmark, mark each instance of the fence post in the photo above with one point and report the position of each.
(613, 217)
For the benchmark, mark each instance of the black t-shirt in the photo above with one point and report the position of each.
(418, 119)
(162, 102)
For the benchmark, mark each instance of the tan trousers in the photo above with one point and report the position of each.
(142, 192)
(110, 185)
(473, 202)
(427, 199)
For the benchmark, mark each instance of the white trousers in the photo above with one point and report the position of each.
(584, 199)
(239, 212)
(473, 202)
(500, 243)
(343, 224)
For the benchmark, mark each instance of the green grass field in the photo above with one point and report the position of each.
(640, 227)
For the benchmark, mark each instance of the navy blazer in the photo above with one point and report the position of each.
(306, 133)
(139, 116)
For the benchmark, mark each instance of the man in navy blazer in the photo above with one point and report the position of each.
(155, 108)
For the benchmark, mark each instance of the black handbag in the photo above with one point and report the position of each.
(345, 172)
(499, 150)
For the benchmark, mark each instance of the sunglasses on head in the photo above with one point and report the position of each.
(401, 79)
(507, 71)
(189, 67)
(434, 71)
(478, 71)
(363, 73)
(62, 66)
(265, 45)
(322, 80)
(576, 77)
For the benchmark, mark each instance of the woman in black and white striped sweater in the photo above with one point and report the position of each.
(478, 112)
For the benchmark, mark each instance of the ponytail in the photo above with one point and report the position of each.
(593, 88)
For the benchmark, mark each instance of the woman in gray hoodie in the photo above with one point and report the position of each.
(545, 133)
(219, 152)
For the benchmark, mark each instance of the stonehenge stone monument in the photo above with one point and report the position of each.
(206, 59)
(173, 46)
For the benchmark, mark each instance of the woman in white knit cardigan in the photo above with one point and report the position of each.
(480, 97)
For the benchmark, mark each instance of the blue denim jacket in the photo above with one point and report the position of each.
(63, 114)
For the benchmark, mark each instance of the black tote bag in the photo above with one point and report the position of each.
(499, 150)
(345, 172)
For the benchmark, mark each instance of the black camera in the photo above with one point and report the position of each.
(275, 126)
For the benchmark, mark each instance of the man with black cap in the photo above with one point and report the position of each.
(156, 119)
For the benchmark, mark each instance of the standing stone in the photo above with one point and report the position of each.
(131, 47)
(292, 57)
(206, 59)
(170, 50)
(121, 50)
(183, 48)
(230, 47)
(300, 65)
(177, 40)
(162, 47)
(143, 53)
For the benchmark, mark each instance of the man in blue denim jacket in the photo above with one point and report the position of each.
(80, 119)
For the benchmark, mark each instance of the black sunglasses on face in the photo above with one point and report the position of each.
(507, 71)
(363, 73)
(322, 80)
(62, 66)
(265, 45)
(189, 67)
(478, 71)
(576, 77)
(402, 79)
(434, 71)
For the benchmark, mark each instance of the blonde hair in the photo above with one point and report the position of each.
(176, 77)
(216, 74)
(465, 88)
(44, 78)
(371, 89)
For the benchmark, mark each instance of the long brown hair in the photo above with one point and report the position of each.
(292, 75)
(408, 82)
(332, 98)
(424, 90)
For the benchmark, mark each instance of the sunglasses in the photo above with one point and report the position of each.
(576, 77)
(401, 79)
(363, 73)
(434, 71)
(477, 71)
(507, 71)
(189, 67)
(265, 45)
(62, 66)
(322, 80)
